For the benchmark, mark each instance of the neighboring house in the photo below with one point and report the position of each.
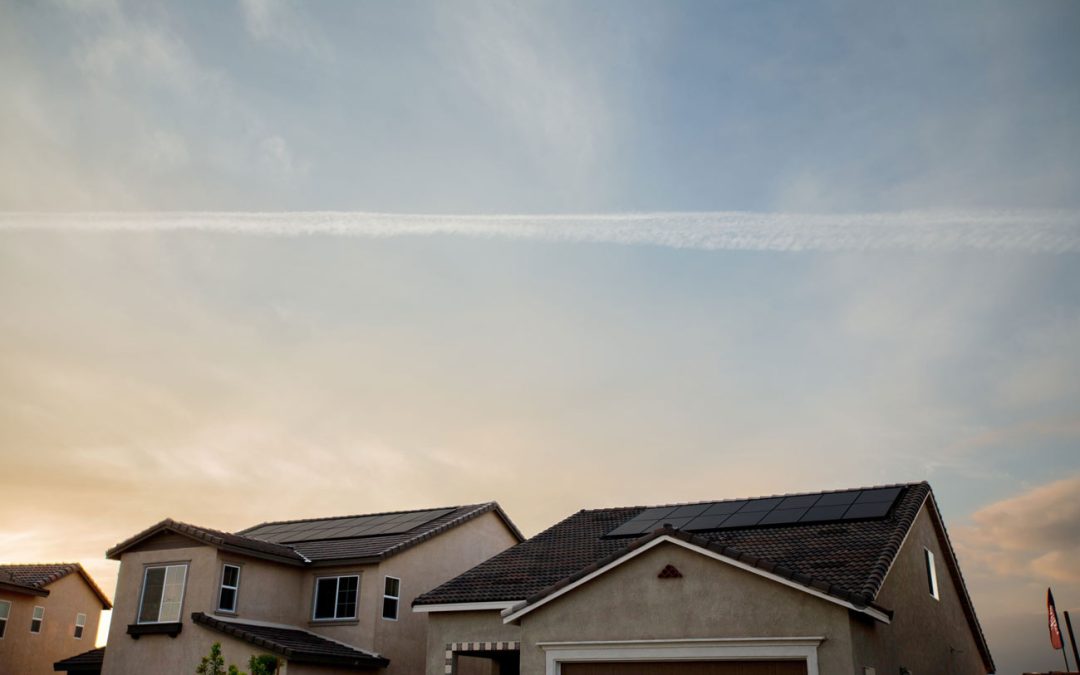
(47, 612)
(325, 595)
(859, 581)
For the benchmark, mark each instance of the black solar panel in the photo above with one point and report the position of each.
(801, 509)
(345, 528)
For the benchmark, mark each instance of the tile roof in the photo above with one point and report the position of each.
(379, 547)
(255, 547)
(34, 577)
(295, 644)
(320, 551)
(87, 662)
(851, 557)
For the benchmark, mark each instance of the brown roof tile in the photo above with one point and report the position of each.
(34, 577)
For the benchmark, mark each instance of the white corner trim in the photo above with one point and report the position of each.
(468, 606)
(513, 615)
(693, 649)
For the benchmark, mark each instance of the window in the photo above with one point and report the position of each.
(37, 619)
(390, 598)
(80, 625)
(230, 587)
(335, 598)
(5, 612)
(162, 594)
(931, 574)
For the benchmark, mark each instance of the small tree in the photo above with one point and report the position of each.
(213, 664)
(264, 664)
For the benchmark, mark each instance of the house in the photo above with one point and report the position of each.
(858, 581)
(48, 611)
(326, 595)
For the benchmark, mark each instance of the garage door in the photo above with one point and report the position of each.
(686, 668)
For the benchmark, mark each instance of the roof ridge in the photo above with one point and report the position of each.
(479, 510)
(773, 496)
(356, 515)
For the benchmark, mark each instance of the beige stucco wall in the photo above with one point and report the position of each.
(926, 635)
(29, 653)
(421, 569)
(447, 627)
(283, 594)
(712, 600)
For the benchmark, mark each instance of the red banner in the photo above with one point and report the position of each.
(1055, 629)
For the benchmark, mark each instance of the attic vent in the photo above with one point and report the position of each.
(669, 572)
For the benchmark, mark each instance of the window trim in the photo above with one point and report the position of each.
(142, 593)
(79, 633)
(337, 586)
(6, 618)
(931, 574)
(40, 620)
(397, 598)
(235, 589)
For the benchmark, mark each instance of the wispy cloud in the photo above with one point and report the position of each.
(1030, 231)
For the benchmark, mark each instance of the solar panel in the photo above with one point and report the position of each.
(344, 528)
(800, 509)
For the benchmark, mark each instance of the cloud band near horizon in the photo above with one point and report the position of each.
(1035, 231)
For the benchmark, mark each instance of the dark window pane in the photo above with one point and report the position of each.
(346, 597)
(389, 608)
(78, 631)
(228, 600)
(151, 597)
(231, 576)
(392, 586)
(3, 627)
(35, 625)
(325, 594)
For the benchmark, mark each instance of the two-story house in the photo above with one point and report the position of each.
(48, 611)
(859, 581)
(327, 595)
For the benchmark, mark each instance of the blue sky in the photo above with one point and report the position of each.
(876, 282)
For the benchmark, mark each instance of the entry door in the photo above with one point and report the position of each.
(685, 668)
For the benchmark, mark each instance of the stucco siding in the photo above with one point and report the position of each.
(926, 635)
(711, 600)
(449, 627)
(35, 653)
(421, 569)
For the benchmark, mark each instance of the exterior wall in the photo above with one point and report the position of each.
(421, 569)
(448, 627)
(926, 635)
(711, 600)
(29, 653)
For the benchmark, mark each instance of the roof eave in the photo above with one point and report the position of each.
(23, 589)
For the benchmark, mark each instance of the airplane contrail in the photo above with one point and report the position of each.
(1017, 230)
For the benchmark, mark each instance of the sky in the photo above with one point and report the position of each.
(268, 260)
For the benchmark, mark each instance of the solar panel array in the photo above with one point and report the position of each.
(344, 528)
(813, 508)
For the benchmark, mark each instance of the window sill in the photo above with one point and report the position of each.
(334, 622)
(137, 630)
(222, 612)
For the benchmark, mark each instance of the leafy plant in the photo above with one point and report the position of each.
(263, 664)
(213, 664)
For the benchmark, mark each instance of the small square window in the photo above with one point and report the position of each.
(37, 619)
(931, 574)
(335, 598)
(391, 598)
(80, 625)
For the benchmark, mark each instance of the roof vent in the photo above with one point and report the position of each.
(669, 572)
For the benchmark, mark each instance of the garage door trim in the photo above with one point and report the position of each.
(690, 649)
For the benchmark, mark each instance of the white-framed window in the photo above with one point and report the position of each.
(37, 619)
(5, 612)
(162, 593)
(391, 598)
(230, 588)
(335, 598)
(80, 625)
(931, 574)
